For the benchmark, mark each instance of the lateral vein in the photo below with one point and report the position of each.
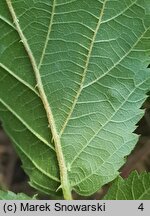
(34, 163)
(19, 79)
(85, 70)
(26, 125)
(48, 34)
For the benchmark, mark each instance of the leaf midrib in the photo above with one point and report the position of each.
(60, 157)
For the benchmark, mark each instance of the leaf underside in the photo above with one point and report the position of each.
(135, 187)
(91, 57)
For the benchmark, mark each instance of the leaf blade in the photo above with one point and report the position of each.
(135, 187)
(8, 195)
(93, 79)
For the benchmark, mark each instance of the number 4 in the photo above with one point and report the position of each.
(141, 207)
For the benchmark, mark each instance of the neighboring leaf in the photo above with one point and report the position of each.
(72, 79)
(136, 187)
(8, 195)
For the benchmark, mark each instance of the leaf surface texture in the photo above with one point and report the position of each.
(91, 58)
(135, 187)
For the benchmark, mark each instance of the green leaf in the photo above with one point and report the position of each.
(8, 195)
(136, 187)
(72, 79)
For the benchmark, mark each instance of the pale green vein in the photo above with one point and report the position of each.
(144, 193)
(85, 70)
(65, 3)
(48, 34)
(144, 97)
(26, 125)
(117, 63)
(34, 163)
(65, 185)
(8, 22)
(19, 79)
(108, 120)
(43, 189)
(122, 12)
(122, 191)
(132, 188)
